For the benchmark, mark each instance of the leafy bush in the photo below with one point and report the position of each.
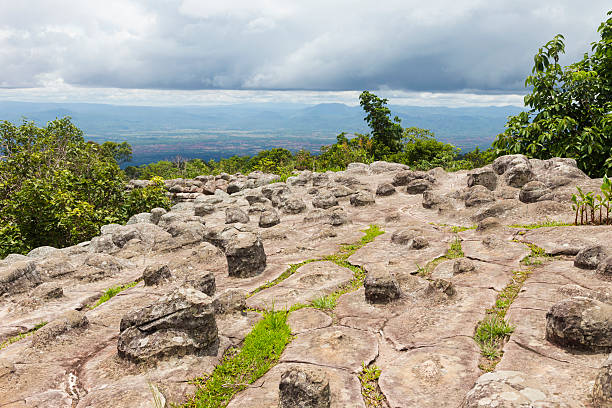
(570, 111)
(55, 188)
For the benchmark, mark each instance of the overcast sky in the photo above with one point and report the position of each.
(434, 52)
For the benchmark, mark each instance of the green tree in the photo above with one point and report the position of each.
(120, 152)
(570, 108)
(386, 133)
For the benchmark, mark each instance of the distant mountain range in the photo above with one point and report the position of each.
(207, 132)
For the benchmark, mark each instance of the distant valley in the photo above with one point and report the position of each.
(213, 132)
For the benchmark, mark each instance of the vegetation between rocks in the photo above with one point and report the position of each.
(113, 291)
(454, 251)
(261, 349)
(21, 336)
(542, 224)
(372, 396)
(588, 203)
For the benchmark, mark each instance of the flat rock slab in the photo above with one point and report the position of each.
(307, 319)
(431, 376)
(569, 375)
(344, 387)
(568, 240)
(493, 249)
(335, 346)
(311, 281)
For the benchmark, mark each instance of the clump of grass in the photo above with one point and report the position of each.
(261, 349)
(369, 386)
(457, 228)
(536, 257)
(541, 224)
(287, 273)
(453, 251)
(112, 292)
(325, 302)
(21, 336)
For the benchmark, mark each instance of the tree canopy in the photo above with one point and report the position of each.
(570, 108)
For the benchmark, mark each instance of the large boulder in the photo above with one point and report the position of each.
(304, 388)
(380, 286)
(590, 257)
(180, 323)
(362, 198)
(245, 255)
(602, 389)
(533, 191)
(418, 186)
(434, 200)
(324, 199)
(385, 189)
(516, 169)
(580, 323)
(484, 177)
(156, 274)
(269, 218)
(293, 205)
(18, 277)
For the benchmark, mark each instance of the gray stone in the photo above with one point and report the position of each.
(156, 274)
(580, 323)
(245, 255)
(379, 167)
(495, 209)
(67, 322)
(42, 252)
(180, 323)
(338, 217)
(204, 282)
(140, 218)
(319, 179)
(488, 224)
(235, 214)
(380, 286)
(341, 191)
(19, 277)
(362, 198)
(293, 205)
(434, 200)
(156, 215)
(324, 200)
(533, 191)
(590, 257)
(269, 218)
(304, 388)
(418, 186)
(203, 209)
(463, 265)
(604, 267)
(506, 389)
(402, 178)
(230, 301)
(402, 237)
(385, 189)
(419, 243)
(484, 177)
(478, 195)
(602, 389)
(442, 285)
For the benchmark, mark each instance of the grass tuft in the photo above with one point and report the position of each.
(112, 292)
(261, 349)
(372, 396)
(325, 302)
(541, 224)
(21, 336)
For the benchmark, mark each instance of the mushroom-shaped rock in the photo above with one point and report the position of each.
(269, 218)
(324, 200)
(205, 283)
(533, 191)
(580, 323)
(235, 214)
(380, 286)
(590, 257)
(362, 198)
(304, 388)
(245, 255)
(602, 389)
(418, 186)
(180, 323)
(385, 189)
(484, 177)
(156, 274)
(463, 265)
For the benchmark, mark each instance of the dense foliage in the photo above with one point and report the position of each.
(56, 189)
(570, 108)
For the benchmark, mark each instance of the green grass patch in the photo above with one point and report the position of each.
(21, 336)
(325, 302)
(260, 351)
(369, 386)
(113, 291)
(542, 224)
(455, 228)
(454, 251)
(536, 257)
(290, 271)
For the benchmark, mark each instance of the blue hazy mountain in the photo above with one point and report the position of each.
(207, 132)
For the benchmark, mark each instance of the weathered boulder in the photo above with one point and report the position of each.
(516, 169)
(202, 209)
(304, 388)
(19, 277)
(269, 218)
(604, 268)
(180, 323)
(402, 237)
(463, 265)
(484, 177)
(505, 389)
(156, 274)
(301, 179)
(338, 216)
(434, 200)
(230, 301)
(580, 323)
(590, 257)
(441, 285)
(379, 167)
(602, 389)
(245, 255)
(204, 282)
(293, 205)
(319, 179)
(324, 200)
(402, 178)
(533, 191)
(235, 214)
(156, 215)
(140, 218)
(42, 252)
(478, 195)
(358, 168)
(419, 243)
(418, 186)
(341, 191)
(67, 322)
(362, 198)
(380, 286)
(494, 210)
(385, 189)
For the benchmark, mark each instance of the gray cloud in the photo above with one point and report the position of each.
(438, 45)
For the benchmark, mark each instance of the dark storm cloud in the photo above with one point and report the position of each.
(439, 45)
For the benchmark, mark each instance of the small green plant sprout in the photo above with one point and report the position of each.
(606, 199)
(588, 204)
(324, 302)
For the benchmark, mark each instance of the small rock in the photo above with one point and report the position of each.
(304, 388)
(403, 177)
(380, 286)
(362, 198)
(484, 177)
(245, 255)
(419, 243)
(478, 195)
(294, 205)
(488, 223)
(580, 323)
(205, 283)
(156, 274)
(324, 200)
(385, 189)
(590, 257)
(605, 267)
(338, 217)
(418, 186)
(463, 265)
(442, 285)
(203, 209)
(234, 215)
(230, 301)
(156, 214)
(269, 218)
(435, 201)
(602, 390)
(533, 191)
(319, 179)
